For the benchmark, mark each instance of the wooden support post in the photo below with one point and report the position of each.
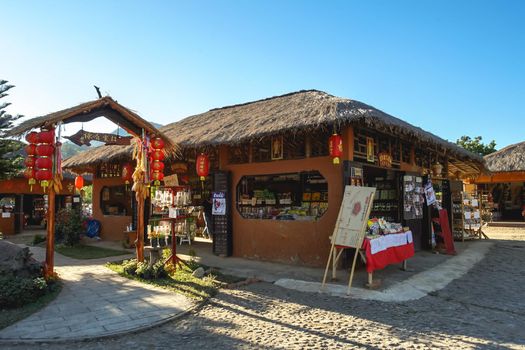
(352, 271)
(140, 230)
(50, 244)
(330, 256)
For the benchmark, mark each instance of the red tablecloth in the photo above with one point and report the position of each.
(390, 255)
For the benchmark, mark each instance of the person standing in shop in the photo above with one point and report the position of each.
(207, 205)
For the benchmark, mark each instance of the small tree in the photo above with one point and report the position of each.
(10, 162)
(475, 145)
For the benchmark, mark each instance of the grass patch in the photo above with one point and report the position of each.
(88, 252)
(11, 316)
(181, 281)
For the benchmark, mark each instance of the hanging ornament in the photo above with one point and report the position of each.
(79, 182)
(157, 156)
(127, 173)
(202, 166)
(44, 160)
(335, 145)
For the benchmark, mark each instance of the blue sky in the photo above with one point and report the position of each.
(451, 67)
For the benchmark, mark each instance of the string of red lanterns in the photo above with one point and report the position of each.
(29, 173)
(44, 162)
(157, 156)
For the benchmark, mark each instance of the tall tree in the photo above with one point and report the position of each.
(476, 145)
(10, 159)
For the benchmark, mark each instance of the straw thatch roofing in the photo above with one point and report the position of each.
(106, 107)
(508, 159)
(294, 112)
(291, 113)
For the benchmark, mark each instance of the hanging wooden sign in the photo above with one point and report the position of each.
(83, 137)
(385, 160)
(370, 149)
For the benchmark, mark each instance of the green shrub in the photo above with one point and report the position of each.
(130, 266)
(37, 239)
(68, 226)
(18, 291)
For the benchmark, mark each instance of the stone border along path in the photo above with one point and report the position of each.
(413, 288)
(96, 302)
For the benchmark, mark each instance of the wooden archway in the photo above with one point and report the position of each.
(120, 115)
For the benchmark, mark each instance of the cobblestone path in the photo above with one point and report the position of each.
(482, 310)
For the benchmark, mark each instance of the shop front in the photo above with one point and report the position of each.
(24, 208)
(279, 167)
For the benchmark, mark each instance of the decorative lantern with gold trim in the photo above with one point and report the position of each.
(30, 161)
(335, 146)
(202, 166)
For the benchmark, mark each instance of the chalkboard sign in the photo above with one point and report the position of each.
(222, 224)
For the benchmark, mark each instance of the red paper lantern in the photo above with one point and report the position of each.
(79, 182)
(156, 176)
(29, 174)
(44, 150)
(44, 175)
(127, 173)
(30, 150)
(46, 136)
(30, 162)
(202, 165)
(157, 143)
(32, 137)
(157, 166)
(157, 155)
(335, 145)
(44, 163)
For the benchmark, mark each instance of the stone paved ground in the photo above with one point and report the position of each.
(96, 301)
(482, 310)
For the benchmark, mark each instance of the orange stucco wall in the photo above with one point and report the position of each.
(112, 226)
(298, 242)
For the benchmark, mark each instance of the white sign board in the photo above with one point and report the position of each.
(219, 203)
(353, 216)
(430, 194)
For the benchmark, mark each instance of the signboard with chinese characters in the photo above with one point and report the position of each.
(83, 137)
(353, 216)
(385, 160)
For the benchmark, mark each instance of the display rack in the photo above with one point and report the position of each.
(386, 202)
(487, 206)
(471, 217)
(458, 218)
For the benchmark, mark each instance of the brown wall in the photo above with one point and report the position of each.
(20, 186)
(297, 242)
(112, 226)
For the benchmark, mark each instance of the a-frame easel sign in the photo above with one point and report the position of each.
(350, 226)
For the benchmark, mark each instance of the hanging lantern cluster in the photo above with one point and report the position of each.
(157, 164)
(335, 145)
(44, 161)
(202, 166)
(30, 172)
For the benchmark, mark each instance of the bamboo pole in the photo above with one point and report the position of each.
(140, 230)
(50, 244)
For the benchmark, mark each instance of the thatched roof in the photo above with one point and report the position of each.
(292, 113)
(84, 162)
(87, 111)
(510, 158)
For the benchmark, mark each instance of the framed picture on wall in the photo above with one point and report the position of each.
(277, 147)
